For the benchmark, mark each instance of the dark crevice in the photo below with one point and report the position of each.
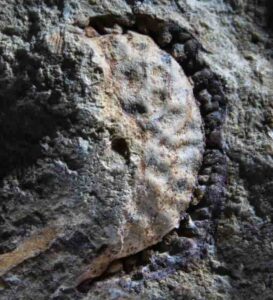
(269, 5)
(120, 146)
(102, 23)
(180, 7)
(27, 113)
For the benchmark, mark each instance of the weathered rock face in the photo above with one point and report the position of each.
(118, 186)
(101, 142)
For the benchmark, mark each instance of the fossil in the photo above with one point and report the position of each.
(155, 128)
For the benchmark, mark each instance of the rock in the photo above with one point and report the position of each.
(182, 244)
(115, 267)
(220, 99)
(214, 157)
(200, 191)
(115, 183)
(204, 97)
(183, 37)
(202, 214)
(191, 48)
(188, 228)
(203, 179)
(210, 107)
(202, 78)
(214, 119)
(215, 139)
(164, 38)
(90, 32)
(194, 65)
(62, 195)
(178, 52)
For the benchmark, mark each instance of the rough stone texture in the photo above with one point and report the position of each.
(60, 63)
(113, 177)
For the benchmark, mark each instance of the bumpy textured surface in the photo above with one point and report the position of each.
(120, 184)
(54, 58)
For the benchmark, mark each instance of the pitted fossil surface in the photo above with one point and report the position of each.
(121, 185)
(154, 140)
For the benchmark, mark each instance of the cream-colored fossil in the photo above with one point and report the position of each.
(148, 106)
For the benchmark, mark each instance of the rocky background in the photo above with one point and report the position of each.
(51, 226)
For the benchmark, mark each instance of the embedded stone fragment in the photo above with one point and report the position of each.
(154, 126)
(38, 243)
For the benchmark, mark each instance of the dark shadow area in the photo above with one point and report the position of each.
(258, 180)
(120, 146)
(269, 5)
(24, 120)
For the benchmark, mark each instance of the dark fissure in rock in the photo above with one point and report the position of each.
(120, 146)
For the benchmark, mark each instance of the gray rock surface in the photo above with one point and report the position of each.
(102, 146)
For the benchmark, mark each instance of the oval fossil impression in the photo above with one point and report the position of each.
(119, 182)
(154, 140)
